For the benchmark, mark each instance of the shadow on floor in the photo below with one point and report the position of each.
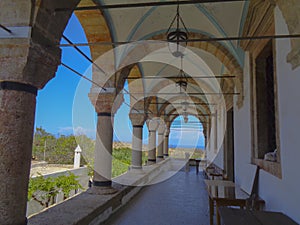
(182, 199)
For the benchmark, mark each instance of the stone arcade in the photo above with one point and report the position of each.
(258, 120)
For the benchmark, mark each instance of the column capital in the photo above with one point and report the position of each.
(105, 101)
(27, 62)
(137, 119)
(152, 125)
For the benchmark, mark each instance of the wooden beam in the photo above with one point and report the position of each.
(179, 114)
(144, 4)
(187, 77)
(177, 103)
(211, 39)
(5, 28)
(183, 94)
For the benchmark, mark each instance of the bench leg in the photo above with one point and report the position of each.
(218, 214)
(211, 211)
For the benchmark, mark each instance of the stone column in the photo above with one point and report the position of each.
(17, 112)
(166, 143)
(137, 120)
(25, 67)
(161, 134)
(106, 105)
(207, 138)
(103, 149)
(152, 126)
(204, 135)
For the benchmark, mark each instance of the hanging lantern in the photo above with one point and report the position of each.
(177, 39)
(181, 85)
(185, 105)
(177, 42)
(181, 81)
(185, 117)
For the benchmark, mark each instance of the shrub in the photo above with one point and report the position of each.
(44, 190)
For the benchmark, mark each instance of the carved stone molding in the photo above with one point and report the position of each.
(294, 56)
(260, 21)
(290, 11)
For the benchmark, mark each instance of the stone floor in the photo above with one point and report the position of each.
(182, 199)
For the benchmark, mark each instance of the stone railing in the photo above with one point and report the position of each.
(90, 208)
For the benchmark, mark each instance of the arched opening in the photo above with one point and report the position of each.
(31, 54)
(187, 137)
(56, 137)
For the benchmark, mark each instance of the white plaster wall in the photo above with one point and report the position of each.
(242, 133)
(211, 144)
(284, 194)
(279, 194)
(219, 160)
(216, 150)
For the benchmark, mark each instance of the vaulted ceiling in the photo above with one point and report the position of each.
(210, 59)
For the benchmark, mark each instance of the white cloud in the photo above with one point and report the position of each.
(77, 131)
(187, 133)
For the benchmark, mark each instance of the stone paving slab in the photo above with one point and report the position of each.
(182, 199)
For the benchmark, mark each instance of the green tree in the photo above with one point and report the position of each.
(58, 150)
(122, 160)
(63, 153)
(87, 146)
(43, 142)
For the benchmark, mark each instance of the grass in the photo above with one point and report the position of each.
(122, 160)
(181, 153)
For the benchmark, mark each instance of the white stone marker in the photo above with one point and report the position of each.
(77, 157)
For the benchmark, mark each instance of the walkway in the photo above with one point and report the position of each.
(180, 200)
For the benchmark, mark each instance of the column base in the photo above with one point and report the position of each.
(151, 161)
(135, 167)
(102, 190)
(102, 183)
(136, 170)
(159, 158)
(166, 155)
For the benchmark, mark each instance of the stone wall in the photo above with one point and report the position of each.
(82, 173)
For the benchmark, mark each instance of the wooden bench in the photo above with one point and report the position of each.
(213, 171)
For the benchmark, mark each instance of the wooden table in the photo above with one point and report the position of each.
(197, 165)
(224, 193)
(231, 216)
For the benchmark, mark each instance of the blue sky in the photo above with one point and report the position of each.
(56, 113)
